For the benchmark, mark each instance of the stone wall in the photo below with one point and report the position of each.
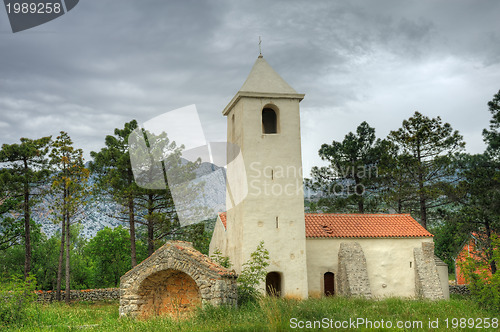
(105, 294)
(427, 283)
(353, 275)
(459, 289)
(174, 279)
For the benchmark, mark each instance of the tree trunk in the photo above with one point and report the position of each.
(151, 246)
(489, 247)
(68, 290)
(61, 258)
(132, 231)
(423, 208)
(421, 194)
(27, 225)
(360, 193)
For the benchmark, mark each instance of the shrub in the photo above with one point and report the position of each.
(16, 296)
(252, 274)
(483, 286)
(222, 260)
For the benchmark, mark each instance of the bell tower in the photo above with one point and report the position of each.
(263, 120)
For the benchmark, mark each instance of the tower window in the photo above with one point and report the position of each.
(269, 121)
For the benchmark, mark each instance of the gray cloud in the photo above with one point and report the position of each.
(107, 62)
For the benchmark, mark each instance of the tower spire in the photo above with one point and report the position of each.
(260, 47)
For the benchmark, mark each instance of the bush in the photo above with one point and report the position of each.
(483, 286)
(252, 274)
(222, 260)
(16, 296)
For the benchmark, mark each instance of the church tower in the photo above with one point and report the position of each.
(263, 120)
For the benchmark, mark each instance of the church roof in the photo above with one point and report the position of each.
(325, 225)
(336, 225)
(263, 81)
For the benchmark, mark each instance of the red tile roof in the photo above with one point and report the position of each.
(222, 217)
(335, 225)
(320, 225)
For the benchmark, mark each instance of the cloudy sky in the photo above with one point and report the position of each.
(107, 62)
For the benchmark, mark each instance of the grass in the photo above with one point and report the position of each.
(267, 315)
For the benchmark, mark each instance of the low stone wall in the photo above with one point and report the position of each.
(105, 294)
(459, 289)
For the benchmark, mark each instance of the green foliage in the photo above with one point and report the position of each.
(449, 238)
(492, 136)
(108, 252)
(425, 148)
(16, 295)
(252, 274)
(483, 286)
(115, 178)
(349, 178)
(222, 260)
(23, 172)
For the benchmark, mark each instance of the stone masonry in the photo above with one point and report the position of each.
(427, 283)
(353, 275)
(173, 280)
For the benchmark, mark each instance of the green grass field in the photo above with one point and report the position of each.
(270, 315)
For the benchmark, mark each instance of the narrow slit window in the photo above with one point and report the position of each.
(269, 121)
(232, 128)
(277, 222)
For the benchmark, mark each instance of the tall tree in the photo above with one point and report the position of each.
(352, 169)
(115, 178)
(478, 197)
(70, 192)
(426, 148)
(23, 171)
(492, 136)
(157, 209)
(393, 180)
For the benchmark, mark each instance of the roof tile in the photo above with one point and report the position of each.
(336, 225)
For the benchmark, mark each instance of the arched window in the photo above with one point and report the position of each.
(269, 121)
(273, 284)
(329, 283)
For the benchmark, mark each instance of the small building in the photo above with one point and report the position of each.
(173, 280)
(369, 255)
(471, 248)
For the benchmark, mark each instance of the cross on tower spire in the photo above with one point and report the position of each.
(260, 47)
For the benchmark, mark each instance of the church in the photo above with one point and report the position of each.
(311, 255)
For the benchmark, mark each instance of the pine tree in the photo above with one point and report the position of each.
(115, 178)
(352, 169)
(23, 172)
(426, 148)
(70, 191)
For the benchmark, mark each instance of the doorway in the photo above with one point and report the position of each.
(273, 284)
(329, 283)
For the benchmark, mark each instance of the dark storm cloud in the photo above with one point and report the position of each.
(107, 62)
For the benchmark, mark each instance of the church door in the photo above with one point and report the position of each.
(329, 283)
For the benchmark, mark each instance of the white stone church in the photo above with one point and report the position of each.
(369, 255)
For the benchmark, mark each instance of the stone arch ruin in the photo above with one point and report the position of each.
(173, 280)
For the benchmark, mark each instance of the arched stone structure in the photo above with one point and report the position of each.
(173, 280)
